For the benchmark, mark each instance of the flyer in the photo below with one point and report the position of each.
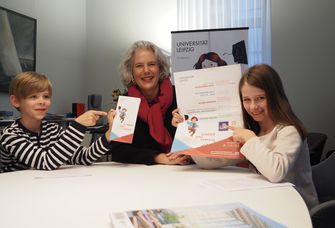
(125, 119)
(219, 215)
(208, 99)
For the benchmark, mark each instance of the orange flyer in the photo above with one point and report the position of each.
(225, 148)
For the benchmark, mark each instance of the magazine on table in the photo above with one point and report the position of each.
(125, 119)
(231, 215)
(208, 99)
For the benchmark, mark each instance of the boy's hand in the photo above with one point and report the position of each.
(90, 117)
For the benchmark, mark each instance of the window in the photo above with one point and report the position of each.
(214, 14)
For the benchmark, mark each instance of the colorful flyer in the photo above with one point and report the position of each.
(230, 215)
(125, 119)
(208, 99)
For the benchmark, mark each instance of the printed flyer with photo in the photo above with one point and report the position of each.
(125, 119)
(229, 215)
(208, 99)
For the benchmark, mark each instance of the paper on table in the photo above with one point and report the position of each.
(241, 183)
(68, 172)
(125, 119)
(229, 215)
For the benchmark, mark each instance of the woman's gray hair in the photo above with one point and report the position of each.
(127, 62)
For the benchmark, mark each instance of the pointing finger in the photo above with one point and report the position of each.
(99, 113)
(231, 128)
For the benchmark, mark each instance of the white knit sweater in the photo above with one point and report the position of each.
(281, 156)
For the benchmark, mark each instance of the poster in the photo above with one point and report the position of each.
(199, 49)
(208, 99)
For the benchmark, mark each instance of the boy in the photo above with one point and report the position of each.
(33, 143)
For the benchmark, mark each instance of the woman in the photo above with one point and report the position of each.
(274, 139)
(145, 72)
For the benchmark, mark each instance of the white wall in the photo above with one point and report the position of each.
(303, 47)
(112, 27)
(79, 47)
(61, 47)
(101, 30)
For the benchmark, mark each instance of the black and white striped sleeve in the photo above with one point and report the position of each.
(48, 152)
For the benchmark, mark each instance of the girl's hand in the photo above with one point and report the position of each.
(176, 118)
(241, 135)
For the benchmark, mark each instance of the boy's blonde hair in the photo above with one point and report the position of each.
(29, 82)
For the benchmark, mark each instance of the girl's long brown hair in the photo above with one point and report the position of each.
(266, 78)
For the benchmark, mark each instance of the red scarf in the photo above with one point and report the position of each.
(154, 114)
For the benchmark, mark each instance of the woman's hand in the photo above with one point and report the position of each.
(110, 118)
(241, 135)
(176, 118)
(166, 159)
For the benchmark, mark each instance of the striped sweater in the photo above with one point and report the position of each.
(22, 149)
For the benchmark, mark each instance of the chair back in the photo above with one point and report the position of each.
(316, 142)
(324, 179)
(323, 215)
(94, 102)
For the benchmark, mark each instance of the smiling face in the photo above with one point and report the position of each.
(146, 72)
(255, 103)
(34, 107)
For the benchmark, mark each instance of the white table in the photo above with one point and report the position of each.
(79, 196)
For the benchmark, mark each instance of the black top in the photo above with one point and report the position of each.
(143, 148)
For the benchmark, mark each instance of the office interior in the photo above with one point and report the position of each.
(81, 42)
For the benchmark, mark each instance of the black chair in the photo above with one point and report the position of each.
(323, 215)
(97, 131)
(324, 179)
(316, 142)
(328, 153)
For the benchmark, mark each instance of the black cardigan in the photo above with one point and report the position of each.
(143, 148)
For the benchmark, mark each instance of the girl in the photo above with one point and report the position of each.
(274, 139)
